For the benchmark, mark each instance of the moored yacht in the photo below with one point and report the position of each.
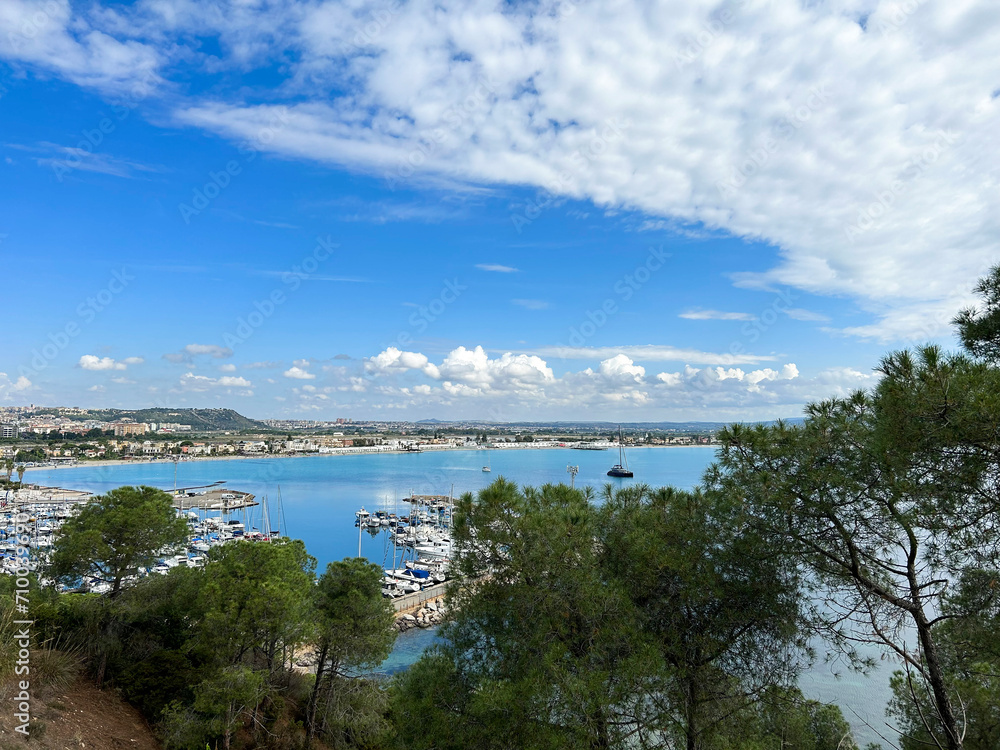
(620, 469)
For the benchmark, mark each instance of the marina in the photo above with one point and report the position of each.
(32, 517)
(213, 497)
(423, 534)
(322, 495)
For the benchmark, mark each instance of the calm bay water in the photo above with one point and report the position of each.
(320, 494)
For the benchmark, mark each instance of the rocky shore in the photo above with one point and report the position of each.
(428, 614)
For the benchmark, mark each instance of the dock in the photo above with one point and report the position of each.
(36, 494)
(407, 602)
(213, 499)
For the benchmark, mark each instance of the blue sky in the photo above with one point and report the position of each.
(471, 210)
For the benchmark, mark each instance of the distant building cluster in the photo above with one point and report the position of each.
(306, 424)
(28, 433)
(22, 420)
(123, 429)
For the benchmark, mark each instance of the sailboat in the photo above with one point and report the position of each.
(620, 469)
(487, 467)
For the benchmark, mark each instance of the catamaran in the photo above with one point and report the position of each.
(620, 469)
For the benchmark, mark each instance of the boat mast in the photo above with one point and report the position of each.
(267, 522)
(281, 513)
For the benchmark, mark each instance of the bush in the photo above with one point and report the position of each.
(54, 670)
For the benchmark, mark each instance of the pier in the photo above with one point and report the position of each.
(216, 498)
(36, 494)
(406, 602)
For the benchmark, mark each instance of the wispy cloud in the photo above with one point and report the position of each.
(314, 277)
(715, 315)
(531, 304)
(275, 224)
(189, 352)
(496, 268)
(171, 268)
(193, 382)
(65, 159)
(797, 313)
(389, 212)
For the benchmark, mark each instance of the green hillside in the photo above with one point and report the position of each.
(206, 420)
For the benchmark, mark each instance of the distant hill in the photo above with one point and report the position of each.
(201, 420)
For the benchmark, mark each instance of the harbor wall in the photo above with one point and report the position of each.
(410, 601)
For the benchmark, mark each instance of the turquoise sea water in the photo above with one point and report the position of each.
(319, 495)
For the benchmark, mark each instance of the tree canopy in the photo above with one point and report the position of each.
(115, 536)
(659, 620)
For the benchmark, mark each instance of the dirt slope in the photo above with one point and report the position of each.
(81, 717)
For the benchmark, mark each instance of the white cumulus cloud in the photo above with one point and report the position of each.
(193, 382)
(297, 373)
(93, 362)
(9, 387)
(621, 366)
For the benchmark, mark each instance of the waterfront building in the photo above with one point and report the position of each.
(129, 428)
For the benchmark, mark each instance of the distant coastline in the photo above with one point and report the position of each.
(344, 452)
